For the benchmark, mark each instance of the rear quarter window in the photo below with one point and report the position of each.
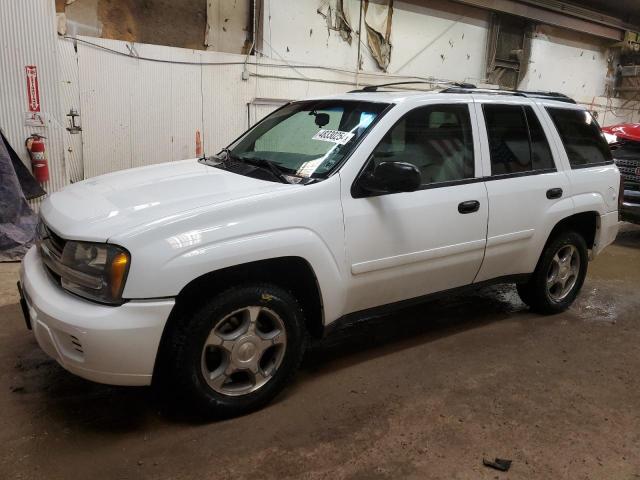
(582, 138)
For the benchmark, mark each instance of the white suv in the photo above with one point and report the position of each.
(213, 274)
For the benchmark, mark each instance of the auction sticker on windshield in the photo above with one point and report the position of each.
(334, 136)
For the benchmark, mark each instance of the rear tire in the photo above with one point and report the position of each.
(234, 353)
(559, 275)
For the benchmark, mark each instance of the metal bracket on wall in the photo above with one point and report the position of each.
(73, 128)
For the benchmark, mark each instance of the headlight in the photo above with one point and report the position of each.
(95, 270)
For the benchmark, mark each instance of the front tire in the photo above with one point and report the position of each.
(559, 275)
(234, 353)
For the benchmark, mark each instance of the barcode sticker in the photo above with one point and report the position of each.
(333, 136)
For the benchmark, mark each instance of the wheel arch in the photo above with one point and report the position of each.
(292, 273)
(584, 223)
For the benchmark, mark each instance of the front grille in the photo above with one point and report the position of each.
(629, 170)
(50, 246)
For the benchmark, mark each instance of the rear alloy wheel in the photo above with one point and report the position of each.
(563, 273)
(558, 276)
(233, 353)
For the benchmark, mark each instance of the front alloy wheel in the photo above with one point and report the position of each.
(233, 353)
(244, 350)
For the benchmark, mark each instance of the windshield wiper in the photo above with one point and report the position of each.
(227, 154)
(219, 158)
(273, 167)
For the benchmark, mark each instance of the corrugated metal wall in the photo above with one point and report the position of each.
(28, 37)
(70, 99)
(139, 112)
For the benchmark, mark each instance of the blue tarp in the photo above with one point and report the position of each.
(17, 219)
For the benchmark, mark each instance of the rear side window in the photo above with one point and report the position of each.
(516, 140)
(581, 136)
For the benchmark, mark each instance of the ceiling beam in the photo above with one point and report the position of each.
(568, 19)
(589, 14)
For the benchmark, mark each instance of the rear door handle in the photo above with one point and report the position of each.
(554, 193)
(469, 206)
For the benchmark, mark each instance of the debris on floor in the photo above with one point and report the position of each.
(499, 464)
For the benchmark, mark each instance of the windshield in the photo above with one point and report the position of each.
(308, 139)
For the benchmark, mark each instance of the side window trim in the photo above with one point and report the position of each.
(526, 122)
(528, 173)
(477, 165)
(560, 162)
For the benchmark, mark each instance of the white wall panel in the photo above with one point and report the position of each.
(443, 40)
(105, 97)
(70, 99)
(568, 62)
(139, 112)
(151, 113)
(225, 97)
(186, 108)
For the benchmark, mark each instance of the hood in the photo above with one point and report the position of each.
(625, 131)
(109, 205)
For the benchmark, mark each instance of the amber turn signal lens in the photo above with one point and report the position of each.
(119, 266)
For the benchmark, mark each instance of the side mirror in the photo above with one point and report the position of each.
(392, 177)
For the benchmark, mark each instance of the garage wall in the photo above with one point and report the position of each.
(567, 61)
(136, 111)
(28, 37)
(576, 64)
(142, 104)
(444, 40)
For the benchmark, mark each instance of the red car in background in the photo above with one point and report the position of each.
(624, 140)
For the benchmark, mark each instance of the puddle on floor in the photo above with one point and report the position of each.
(594, 304)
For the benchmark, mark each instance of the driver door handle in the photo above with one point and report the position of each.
(469, 206)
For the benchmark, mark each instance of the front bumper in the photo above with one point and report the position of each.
(630, 211)
(106, 344)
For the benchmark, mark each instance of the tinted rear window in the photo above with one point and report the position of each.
(516, 140)
(581, 136)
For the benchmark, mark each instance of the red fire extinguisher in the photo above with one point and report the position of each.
(38, 153)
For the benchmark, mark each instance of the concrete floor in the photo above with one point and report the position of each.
(423, 394)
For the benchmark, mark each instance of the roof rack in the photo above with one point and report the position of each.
(374, 88)
(560, 97)
(461, 87)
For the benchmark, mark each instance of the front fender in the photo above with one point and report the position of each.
(169, 277)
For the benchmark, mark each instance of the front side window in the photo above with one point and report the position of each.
(307, 139)
(516, 140)
(436, 139)
(583, 141)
